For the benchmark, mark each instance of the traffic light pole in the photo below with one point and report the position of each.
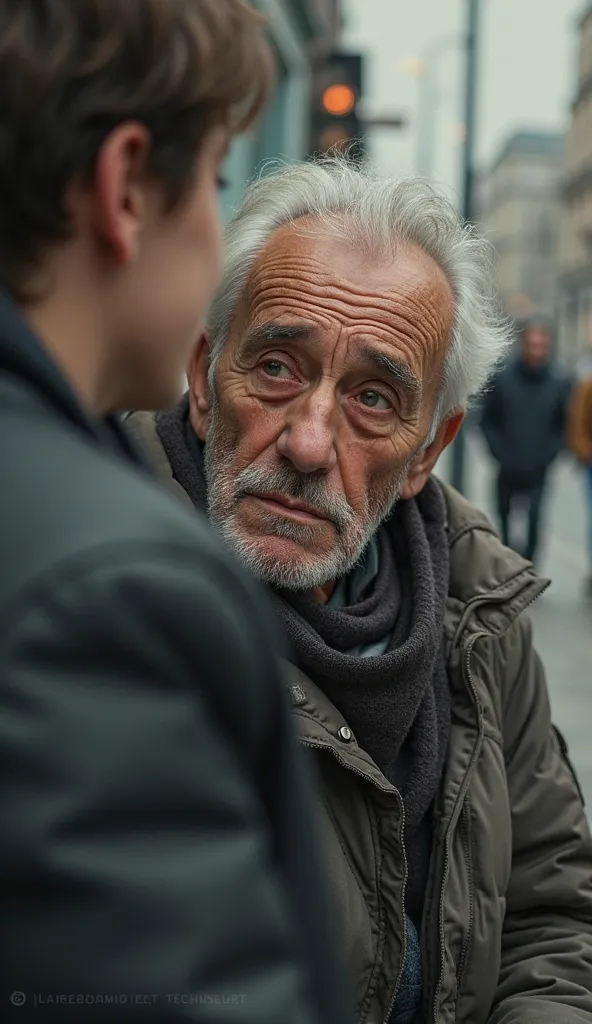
(468, 189)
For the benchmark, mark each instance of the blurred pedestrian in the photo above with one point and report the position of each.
(523, 419)
(155, 849)
(580, 443)
(354, 319)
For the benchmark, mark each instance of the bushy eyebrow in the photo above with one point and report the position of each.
(398, 371)
(271, 331)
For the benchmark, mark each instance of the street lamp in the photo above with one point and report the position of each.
(429, 98)
(425, 69)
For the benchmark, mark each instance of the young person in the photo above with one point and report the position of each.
(155, 853)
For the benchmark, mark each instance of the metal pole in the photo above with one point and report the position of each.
(428, 103)
(468, 188)
(426, 123)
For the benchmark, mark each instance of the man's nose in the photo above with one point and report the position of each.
(308, 439)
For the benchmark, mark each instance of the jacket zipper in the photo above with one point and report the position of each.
(462, 794)
(362, 775)
(404, 949)
(465, 831)
(448, 836)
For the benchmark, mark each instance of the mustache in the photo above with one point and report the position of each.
(300, 487)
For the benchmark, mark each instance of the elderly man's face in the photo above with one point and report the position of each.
(323, 399)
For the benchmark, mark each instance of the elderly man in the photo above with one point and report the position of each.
(353, 324)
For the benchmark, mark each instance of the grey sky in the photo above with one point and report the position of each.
(528, 71)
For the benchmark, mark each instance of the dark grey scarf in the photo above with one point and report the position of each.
(398, 703)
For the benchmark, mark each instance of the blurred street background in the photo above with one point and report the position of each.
(492, 101)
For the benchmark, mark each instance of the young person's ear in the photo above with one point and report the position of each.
(120, 190)
(199, 388)
(423, 465)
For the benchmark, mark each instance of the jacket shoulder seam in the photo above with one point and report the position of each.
(476, 527)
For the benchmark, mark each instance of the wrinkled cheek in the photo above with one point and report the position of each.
(224, 424)
(371, 481)
(253, 433)
(385, 483)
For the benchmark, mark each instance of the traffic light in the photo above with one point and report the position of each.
(335, 120)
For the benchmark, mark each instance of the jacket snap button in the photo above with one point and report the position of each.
(345, 734)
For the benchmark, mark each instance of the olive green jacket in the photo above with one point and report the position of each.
(507, 929)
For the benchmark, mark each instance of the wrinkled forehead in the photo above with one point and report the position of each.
(307, 269)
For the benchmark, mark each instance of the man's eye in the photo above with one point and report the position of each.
(373, 400)
(274, 368)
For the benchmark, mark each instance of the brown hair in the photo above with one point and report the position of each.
(72, 70)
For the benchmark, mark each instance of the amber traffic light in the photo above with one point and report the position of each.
(335, 118)
(339, 99)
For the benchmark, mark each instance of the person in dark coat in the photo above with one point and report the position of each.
(523, 420)
(157, 860)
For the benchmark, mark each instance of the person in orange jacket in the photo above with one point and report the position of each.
(580, 443)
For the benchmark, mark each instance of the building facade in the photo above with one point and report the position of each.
(575, 256)
(301, 32)
(520, 210)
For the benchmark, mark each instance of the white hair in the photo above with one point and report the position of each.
(376, 214)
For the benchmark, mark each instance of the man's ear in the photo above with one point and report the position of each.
(423, 464)
(199, 389)
(120, 190)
